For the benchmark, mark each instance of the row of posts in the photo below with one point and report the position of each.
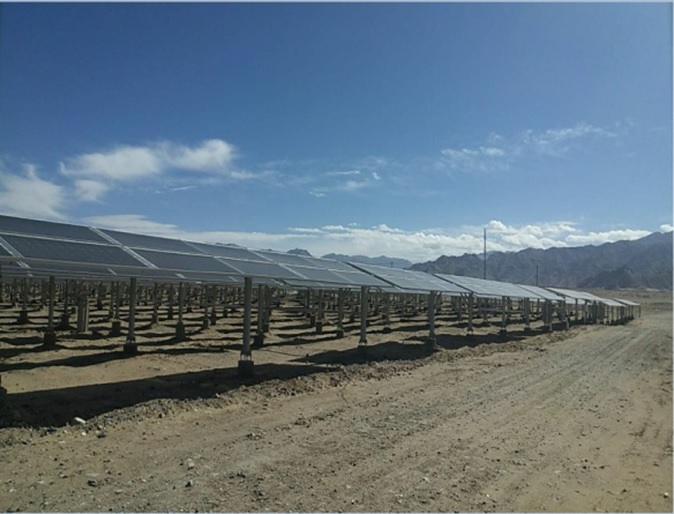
(78, 294)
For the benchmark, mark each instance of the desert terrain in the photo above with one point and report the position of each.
(576, 420)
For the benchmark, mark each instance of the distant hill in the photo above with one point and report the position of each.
(389, 262)
(299, 251)
(642, 263)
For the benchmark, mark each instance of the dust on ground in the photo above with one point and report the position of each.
(577, 420)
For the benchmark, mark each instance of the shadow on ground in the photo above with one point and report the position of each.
(58, 407)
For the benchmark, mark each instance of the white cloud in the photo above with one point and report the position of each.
(214, 155)
(416, 245)
(97, 173)
(121, 164)
(611, 236)
(343, 173)
(90, 190)
(666, 227)
(500, 153)
(28, 195)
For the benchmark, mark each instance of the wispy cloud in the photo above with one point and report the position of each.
(95, 174)
(499, 153)
(26, 194)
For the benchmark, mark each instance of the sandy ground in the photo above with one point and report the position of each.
(577, 420)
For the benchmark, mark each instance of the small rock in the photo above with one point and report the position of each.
(92, 482)
(79, 421)
(666, 495)
(189, 483)
(189, 463)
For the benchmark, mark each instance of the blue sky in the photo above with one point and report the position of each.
(398, 129)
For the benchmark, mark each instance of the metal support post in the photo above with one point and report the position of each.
(180, 326)
(130, 346)
(362, 343)
(527, 315)
(504, 317)
(258, 339)
(340, 314)
(49, 340)
(321, 312)
(469, 331)
(432, 297)
(246, 358)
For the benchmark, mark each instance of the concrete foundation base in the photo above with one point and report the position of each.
(319, 327)
(64, 324)
(339, 333)
(246, 368)
(258, 340)
(49, 339)
(180, 331)
(116, 328)
(23, 317)
(387, 330)
(205, 324)
(213, 319)
(169, 314)
(432, 343)
(130, 348)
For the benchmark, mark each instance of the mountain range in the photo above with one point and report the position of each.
(642, 263)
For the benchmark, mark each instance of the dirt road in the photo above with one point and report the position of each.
(568, 421)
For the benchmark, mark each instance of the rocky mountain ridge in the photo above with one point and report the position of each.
(642, 263)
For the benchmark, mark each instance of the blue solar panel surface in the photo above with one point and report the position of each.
(230, 252)
(489, 288)
(179, 261)
(149, 242)
(259, 269)
(542, 292)
(10, 224)
(287, 258)
(412, 280)
(74, 252)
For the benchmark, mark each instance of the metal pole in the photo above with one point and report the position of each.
(246, 358)
(363, 317)
(130, 346)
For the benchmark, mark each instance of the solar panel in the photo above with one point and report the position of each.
(610, 302)
(409, 280)
(4, 253)
(12, 225)
(191, 276)
(543, 293)
(320, 275)
(489, 288)
(259, 269)
(230, 252)
(288, 258)
(360, 278)
(184, 262)
(50, 250)
(576, 295)
(310, 284)
(149, 242)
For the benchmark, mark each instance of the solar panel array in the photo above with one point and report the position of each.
(40, 248)
(489, 288)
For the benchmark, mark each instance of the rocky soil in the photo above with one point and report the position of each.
(577, 420)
